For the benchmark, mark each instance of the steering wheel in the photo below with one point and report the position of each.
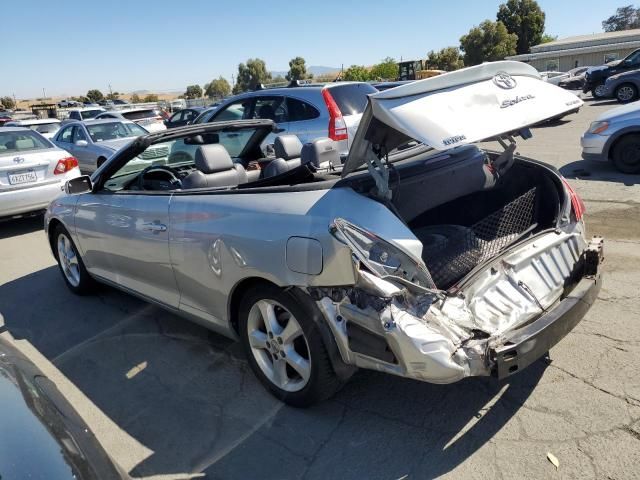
(174, 179)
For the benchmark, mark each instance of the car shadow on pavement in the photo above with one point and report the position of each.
(20, 226)
(600, 171)
(189, 397)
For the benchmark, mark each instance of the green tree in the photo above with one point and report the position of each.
(625, 18)
(387, 69)
(448, 58)
(193, 91)
(135, 98)
(487, 42)
(297, 69)
(7, 102)
(524, 18)
(95, 95)
(150, 98)
(546, 38)
(278, 79)
(113, 96)
(250, 75)
(357, 73)
(219, 87)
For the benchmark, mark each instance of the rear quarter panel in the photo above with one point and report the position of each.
(218, 240)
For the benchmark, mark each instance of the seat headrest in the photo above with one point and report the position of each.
(212, 158)
(25, 143)
(287, 146)
(320, 152)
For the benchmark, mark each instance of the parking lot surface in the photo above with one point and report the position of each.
(168, 399)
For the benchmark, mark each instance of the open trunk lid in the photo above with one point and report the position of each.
(462, 107)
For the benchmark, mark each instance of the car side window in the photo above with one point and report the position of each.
(177, 117)
(235, 111)
(634, 58)
(65, 135)
(299, 110)
(272, 108)
(75, 115)
(189, 115)
(78, 134)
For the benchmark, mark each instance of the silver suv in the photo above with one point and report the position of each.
(309, 111)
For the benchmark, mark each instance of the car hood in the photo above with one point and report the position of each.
(629, 110)
(457, 108)
(42, 436)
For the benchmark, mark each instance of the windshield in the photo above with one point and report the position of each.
(12, 142)
(114, 130)
(351, 98)
(45, 127)
(91, 113)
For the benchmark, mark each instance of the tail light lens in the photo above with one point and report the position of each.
(64, 165)
(337, 125)
(577, 205)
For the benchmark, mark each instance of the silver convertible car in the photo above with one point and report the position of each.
(422, 255)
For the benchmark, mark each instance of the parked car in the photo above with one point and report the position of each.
(32, 171)
(574, 80)
(119, 101)
(92, 143)
(82, 114)
(615, 137)
(307, 111)
(69, 104)
(43, 435)
(553, 77)
(381, 86)
(596, 76)
(178, 104)
(435, 262)
(183, 117)
(4, 118)
(623, 87)
(90, 104)
(47, 127)
(149, 118)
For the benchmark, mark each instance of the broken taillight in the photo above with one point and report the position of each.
(577, 205)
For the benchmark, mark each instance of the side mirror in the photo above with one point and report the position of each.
(78, 185)
(82, 143)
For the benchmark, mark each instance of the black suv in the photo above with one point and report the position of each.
(596, 76)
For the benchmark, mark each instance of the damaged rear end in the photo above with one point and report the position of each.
(497, 268)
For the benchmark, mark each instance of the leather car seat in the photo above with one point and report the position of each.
(215, 169)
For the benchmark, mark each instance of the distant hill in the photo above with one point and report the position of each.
(315, 69)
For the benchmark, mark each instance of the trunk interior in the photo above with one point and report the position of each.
(465, 214)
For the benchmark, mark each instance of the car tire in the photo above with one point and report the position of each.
(301, 376)
(598, 92)
(626, 154)
(625, 93)
(71, 266)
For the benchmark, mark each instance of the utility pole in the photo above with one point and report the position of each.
(15, 102)
(110, 92)
(44, 95)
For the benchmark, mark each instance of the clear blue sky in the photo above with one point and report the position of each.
(70, 46)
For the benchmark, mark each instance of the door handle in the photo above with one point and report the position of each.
(154, 227)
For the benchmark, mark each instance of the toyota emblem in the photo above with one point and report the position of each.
(504, 80)
(18, 159)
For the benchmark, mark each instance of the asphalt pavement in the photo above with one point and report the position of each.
(168, 399)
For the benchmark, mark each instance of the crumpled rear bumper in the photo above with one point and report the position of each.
(525, 345)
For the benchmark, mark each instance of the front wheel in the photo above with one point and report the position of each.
(284, 347)
(626, 93)
(626, 154)
(598, 92)
(71, 266)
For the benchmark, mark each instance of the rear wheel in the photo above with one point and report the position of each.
(626, 93)
(71, 266)
(626, 154)
(285, 348)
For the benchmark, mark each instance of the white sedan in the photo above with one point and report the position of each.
(33, 171)
(47, 127)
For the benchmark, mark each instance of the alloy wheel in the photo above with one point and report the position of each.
(278, 345)
(599, 91)
(68, 260)
(626, 93)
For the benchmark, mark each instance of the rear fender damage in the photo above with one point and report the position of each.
(396, 327)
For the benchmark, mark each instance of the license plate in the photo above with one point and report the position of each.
(146, 121)
(23, 176)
